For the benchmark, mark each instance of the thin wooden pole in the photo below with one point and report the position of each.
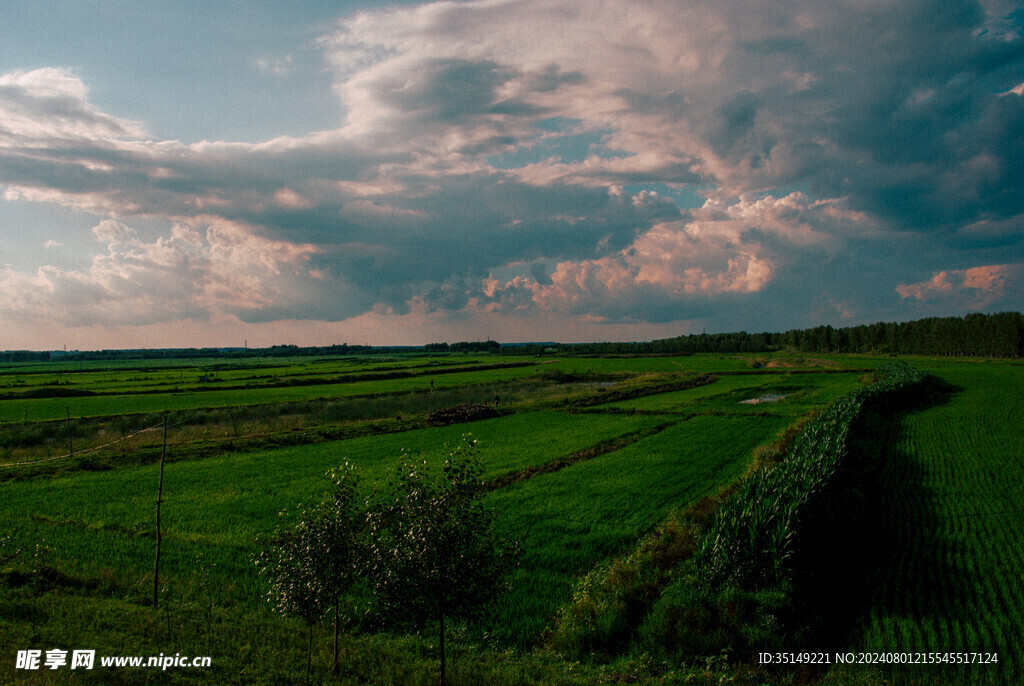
(159, 496)
(309, 652)
(444, 676)
(71, 448)
(336, 608)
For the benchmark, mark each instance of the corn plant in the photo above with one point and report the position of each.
(752, 540)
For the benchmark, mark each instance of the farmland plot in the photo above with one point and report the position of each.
(174, 397)
(218, 506)
(952, 580)
(570, 520)
(799, 393)
(574, 480)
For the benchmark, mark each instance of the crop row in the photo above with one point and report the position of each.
(753, 536)
(950, 577)
(736, 591)
(673, 601)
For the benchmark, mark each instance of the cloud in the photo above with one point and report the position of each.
(494, 157)
(195, 273)
(715, 253)
(976, 288)
(45, 105)
(747, 98)
(278, 66)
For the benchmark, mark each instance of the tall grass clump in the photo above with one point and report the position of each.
(737, 593)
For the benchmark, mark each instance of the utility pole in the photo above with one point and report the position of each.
(159, 495)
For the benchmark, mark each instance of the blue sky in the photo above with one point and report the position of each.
(191, 173)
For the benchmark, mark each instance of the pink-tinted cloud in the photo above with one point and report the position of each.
(195, 273)
(975, 288)
(722, 249)
(492, 152)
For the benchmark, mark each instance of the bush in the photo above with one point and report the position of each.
(694, 620)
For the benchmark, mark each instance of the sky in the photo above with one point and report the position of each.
(187, 174)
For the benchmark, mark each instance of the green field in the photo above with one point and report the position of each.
(52, 395)
(953, 577)
(587, 459)
(565, 529)
(217, 507)
(800, 393)
(115, 397)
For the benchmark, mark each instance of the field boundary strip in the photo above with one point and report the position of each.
(297, 381)
(93, 449)
(598, 449)
(781, 371)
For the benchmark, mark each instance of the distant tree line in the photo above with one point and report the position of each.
(312, 351)
(463, 347)
(741, 342)
(984, 335)
(23, 356)
(236, 353)
(195, 353)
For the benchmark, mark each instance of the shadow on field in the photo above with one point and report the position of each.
(873, 544)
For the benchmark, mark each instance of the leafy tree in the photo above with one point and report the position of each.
(294, 586)
(434, 554)
(313, 563)
(426, 546)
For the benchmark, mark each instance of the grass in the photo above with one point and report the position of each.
(315, 418)
(159, 388)
(214, 373)
(710, 363)
(583, 482)
(802, 392)
(565, 529)
(950, 576)
(217, 507)
(177, 398)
